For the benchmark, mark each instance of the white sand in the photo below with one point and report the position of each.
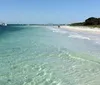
(82, 28)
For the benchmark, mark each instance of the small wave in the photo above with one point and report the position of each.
(57, 30)
(98, 43)
(96, 40)
(79, 37)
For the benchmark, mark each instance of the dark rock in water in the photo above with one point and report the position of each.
(9, 80)
(14, 67)
(58, 26)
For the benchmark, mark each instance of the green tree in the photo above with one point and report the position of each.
(91, 21)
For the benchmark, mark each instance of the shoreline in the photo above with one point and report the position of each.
(82, 29)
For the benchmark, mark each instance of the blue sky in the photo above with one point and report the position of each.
(48, 11)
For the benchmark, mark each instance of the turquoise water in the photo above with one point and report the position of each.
(33, 55)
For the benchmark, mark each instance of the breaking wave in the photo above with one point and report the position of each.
(57, 30)
(79, 37)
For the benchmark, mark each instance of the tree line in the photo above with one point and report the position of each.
(92, 21)
(89, 21)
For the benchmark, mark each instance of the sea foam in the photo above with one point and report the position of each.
(57, 30)
(79, 37)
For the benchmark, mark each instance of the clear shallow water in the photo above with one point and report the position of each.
(32, 55)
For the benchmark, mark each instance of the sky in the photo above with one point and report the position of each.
(48, 11)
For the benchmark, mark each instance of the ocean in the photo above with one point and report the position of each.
(43, 55)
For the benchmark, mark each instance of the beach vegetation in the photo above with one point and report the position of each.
(91, 22)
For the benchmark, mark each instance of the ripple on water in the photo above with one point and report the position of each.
(30, 73)
(57, 67)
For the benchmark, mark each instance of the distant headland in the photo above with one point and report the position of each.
(91, 22)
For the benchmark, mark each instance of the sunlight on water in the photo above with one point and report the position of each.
(29, 56)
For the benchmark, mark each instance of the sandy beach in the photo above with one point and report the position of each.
(82, 28)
